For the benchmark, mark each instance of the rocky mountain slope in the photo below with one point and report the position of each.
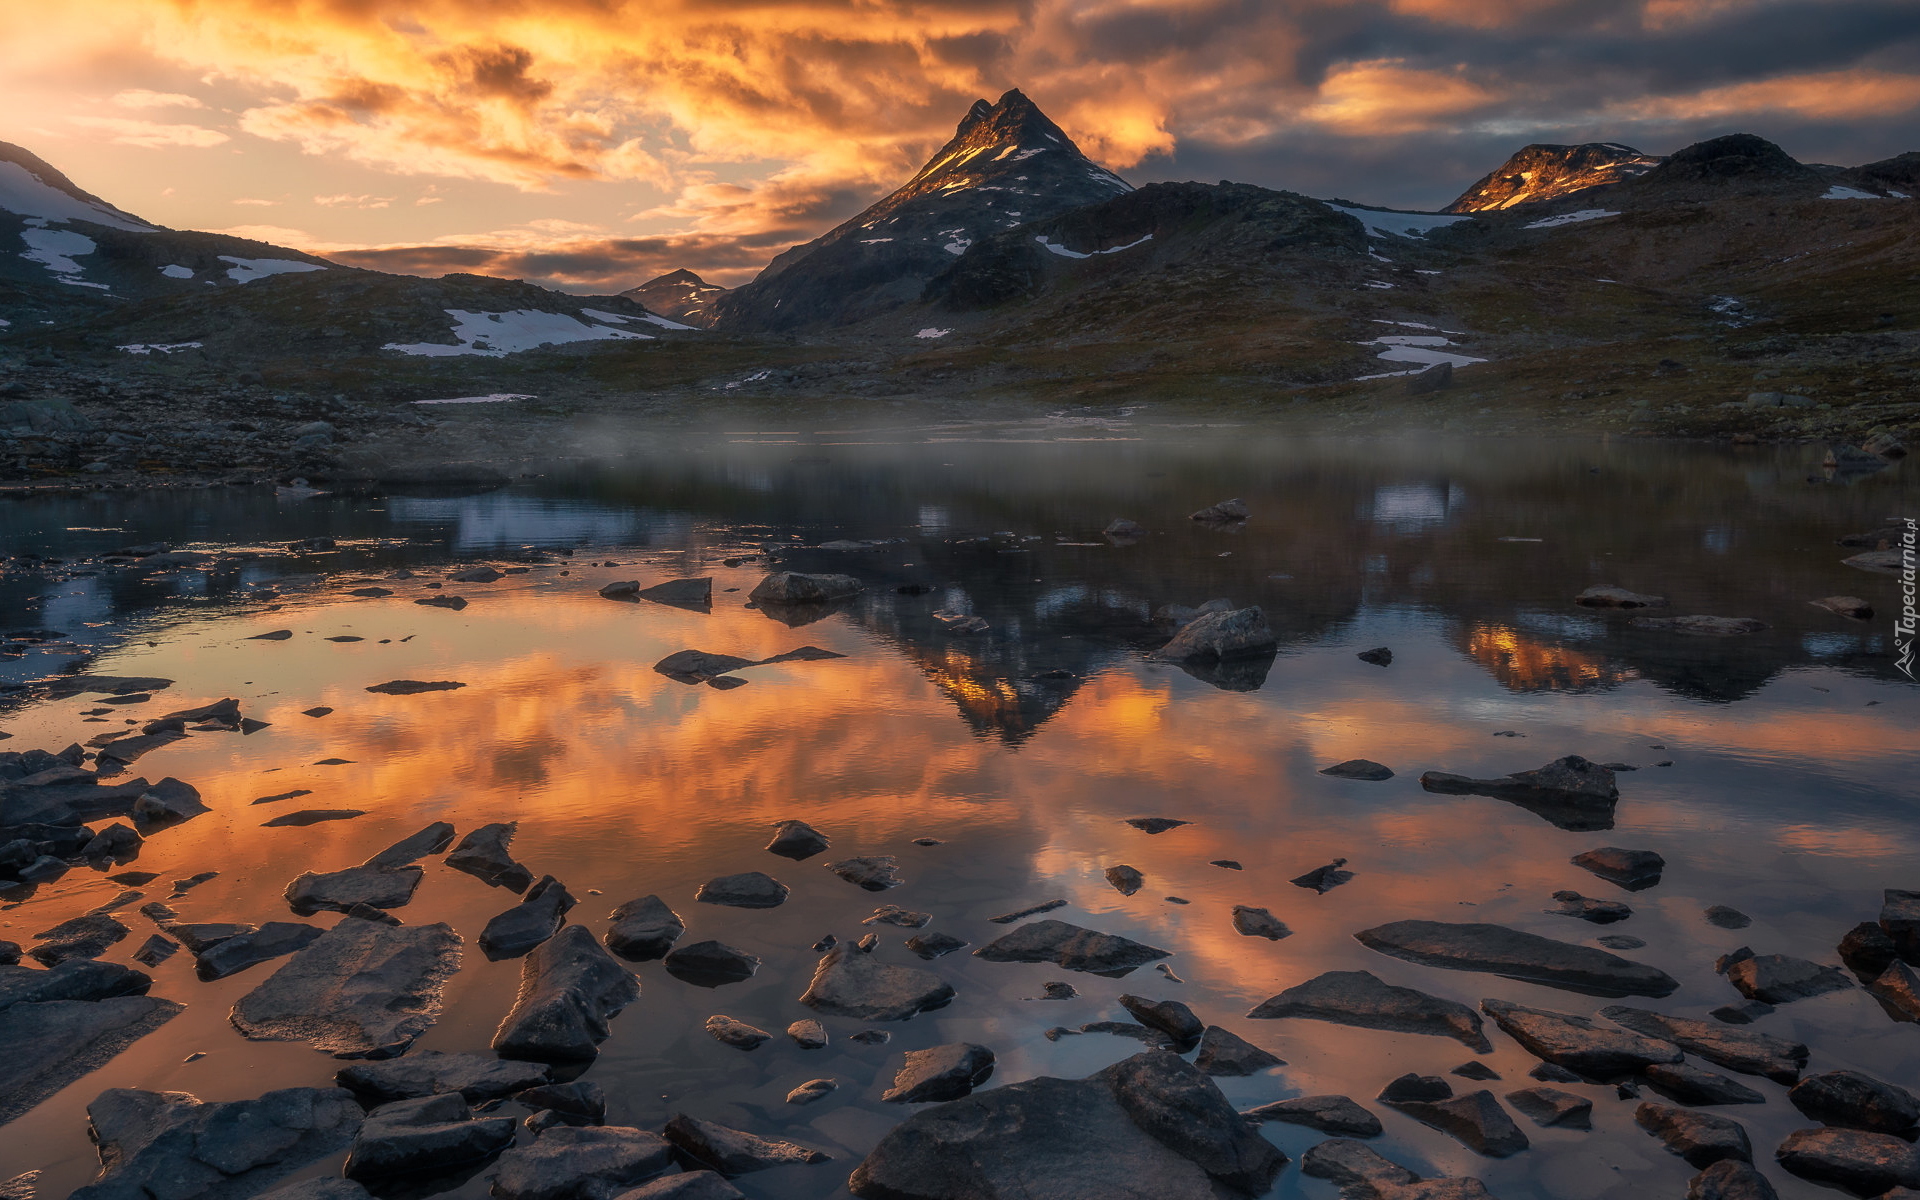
(679, 296)
(1007, 164)
(1547, 172)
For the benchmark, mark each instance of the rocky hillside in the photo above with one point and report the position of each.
(1546, 172)
(1006, 165)
(679, 296)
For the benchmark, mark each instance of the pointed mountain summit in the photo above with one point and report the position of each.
(679, 296)
(1007, 165)
(1546, 172)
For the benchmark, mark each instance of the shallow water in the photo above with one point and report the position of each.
(1791, 793)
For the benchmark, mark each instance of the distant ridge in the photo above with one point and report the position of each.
(1546, 172)
(679, 296)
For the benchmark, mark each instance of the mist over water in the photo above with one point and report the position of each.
(1790, 795)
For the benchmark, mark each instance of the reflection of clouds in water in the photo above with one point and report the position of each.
(1409, 507)
(498, 519)
(76, 601)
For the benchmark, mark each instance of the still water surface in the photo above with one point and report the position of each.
(1791, 795)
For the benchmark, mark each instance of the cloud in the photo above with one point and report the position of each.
(127, 131)
(348, 201)
(1828, 96)
(255, 202)
(142, 98)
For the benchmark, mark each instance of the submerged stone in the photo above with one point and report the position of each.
(1070, 946)
(359, 990)
(875, 873)
(1362, 999)
(1525, 956)
(1475, 1120)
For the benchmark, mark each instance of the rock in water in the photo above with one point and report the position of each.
(1851, 1100)
(1569, 792)
(1358, 768)
(1125, 879)
(710, 964)
(849, 983)
(569, 1163)
(1475, 1120)
(1731, 1179)
(50, 1043)
(1548, 1107)
(1324, 879)
(1684, 1083)
(1225, 1053)
(1226, 511)
(1070, 946)
(792, 587)
(1747, 1053)
(644, 929)
(812, 1090)
(1607, 596)
(876, 873)
(1337, 1115)
(1586, 908)
(688, 1185)
(1576, 1043)
(414, 847)
(173, 1144)
(738, 1034)
(426, 1133)
(535, 919)
(941, 1073)
(1782, 978)
(339, 891)
(1900, 918)
(1149, 1126)
(731, 1151)
(1217, 635)
(483, 854)
(1361, 998)
(935, 945)
(1866, 1164)
(1700, 625)
(1634, 870)
(1361, 1174)
(798, 841)
(1258, 922)
(230, 956)
(696, 594)
(1525, 956)
(432, 1072)
(87, 936)
(570, 989)
(749, 889)
(360, 990)
(1898, 991)
(1701, 1138)
(1170, 1017)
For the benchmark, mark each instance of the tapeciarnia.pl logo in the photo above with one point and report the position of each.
(1909, 618)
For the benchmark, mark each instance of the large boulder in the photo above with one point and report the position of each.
(1499, 950)
(571, 1163)
(1148, 1128)
(1578, 1044)
(1569, 792)
(1361, 998)
(1866, 1164)
(433, 1072)
(850, 983)
(362, 989)
(426, 1133)
(51, 1043)
(570, 989)
(792, 587)
(1362, 1174)
(1852, 1100)
(1234, 634)
(172, 1144)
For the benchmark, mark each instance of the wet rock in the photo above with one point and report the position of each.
(689, 1185)
(1684, 1083)
(1547, 1072)
(456, 603)
(359, 990)
(1701, 1138)
(476, 1077)
(808, 1034)
(230, 956)
(1475, 1070)
(1070, 946)
(528, 923)
(749, 889)
(276, 635)
(1415, 1087)
(876, 873)
(732, 1151)
(935, 945)
(792, 587)
(414, 687)
(1549, 1107)
(87, 936)
(1867, 950)
(312, 816)
(1379, 656)
(1362, 999)
(1235, 634)
(78, 979)
(1120, 529)
(431, 839)
(1324, 879)
(1900, 918)
(317, 1189)
(941, 1073)
(570, 989)
(1125, 879)
(1225, 512)
(1569, 792)
(1258, 922)
(1156, 825)
(958, 624)
(1586, 908)
(1607, 596)
(1577, 1044)
(1866, 1164)
(1362, 1174)
(698, 666)
(1782, 978)
(1225, 1053)
(1852, 1100)
(175, 1145)
(1337, 1115)
(1852, 607)
(426, 1133)
(1634, 870)
(847, 983)
(738, 1034)
(1151, 1125)
(338, 891)
(1126, 1029)
(1736, 1050)
(696, 594)
(871, 1037)
(797, 840)
(1730, 1179)
(483, 854)
(644, 930)
(621, 589)
(1517, 955)
(1898, 991)
(156, 950)
(1021, 914)
(1703, 626)
(893, 914)
(1741, 1014)
(1170, 1017)
(1722, 917)
(812, 1090)
(55, 1041)
(710, 964)
(1358, 768)
(578, 1103)
(573, 1163)
(115, 841)
(1475, 1120)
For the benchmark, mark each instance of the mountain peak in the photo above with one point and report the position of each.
(1544, 171)
(679, 296)
(34, 188)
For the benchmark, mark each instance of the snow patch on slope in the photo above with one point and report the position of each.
(1402, 224)
(1837, 192)
(55, 249)
(246, 270)
(1572, 218)
(22, 192)
(156, 347)
(496, 335)
(176, 271)
(1055, 248)
(1422, 350)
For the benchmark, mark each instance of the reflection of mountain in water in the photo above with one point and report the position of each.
(1524, 662)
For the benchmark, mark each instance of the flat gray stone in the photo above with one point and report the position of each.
(477, 1077)
(1363, 1174)
(338, 891)
(1070, 946)
(362, 989)
(749, 889)
(1701, 1138)
(581, 1163)
(849, 983)
(54, 1042)
(432, 839)
(1225, 1053)
(1736, 1050)
(940, 1073)
(423, 1134)
(644, 930)
(1362, 999)
(230, 956)
(1475, 1120)
(1529, 957)
(696, 594)
(1684, 1083)
(1576, 1043)
(87, 936)
(1782, 978)
(733, 1151)
(688, 1185)
(875, 873)
(1866, 1164)
(570, 989)
(1549, 1107)
(1337, 1115)
(172, 1144)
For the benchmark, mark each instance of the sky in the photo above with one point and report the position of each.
(593, 144)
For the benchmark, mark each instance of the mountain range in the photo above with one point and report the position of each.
(1591, 284)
